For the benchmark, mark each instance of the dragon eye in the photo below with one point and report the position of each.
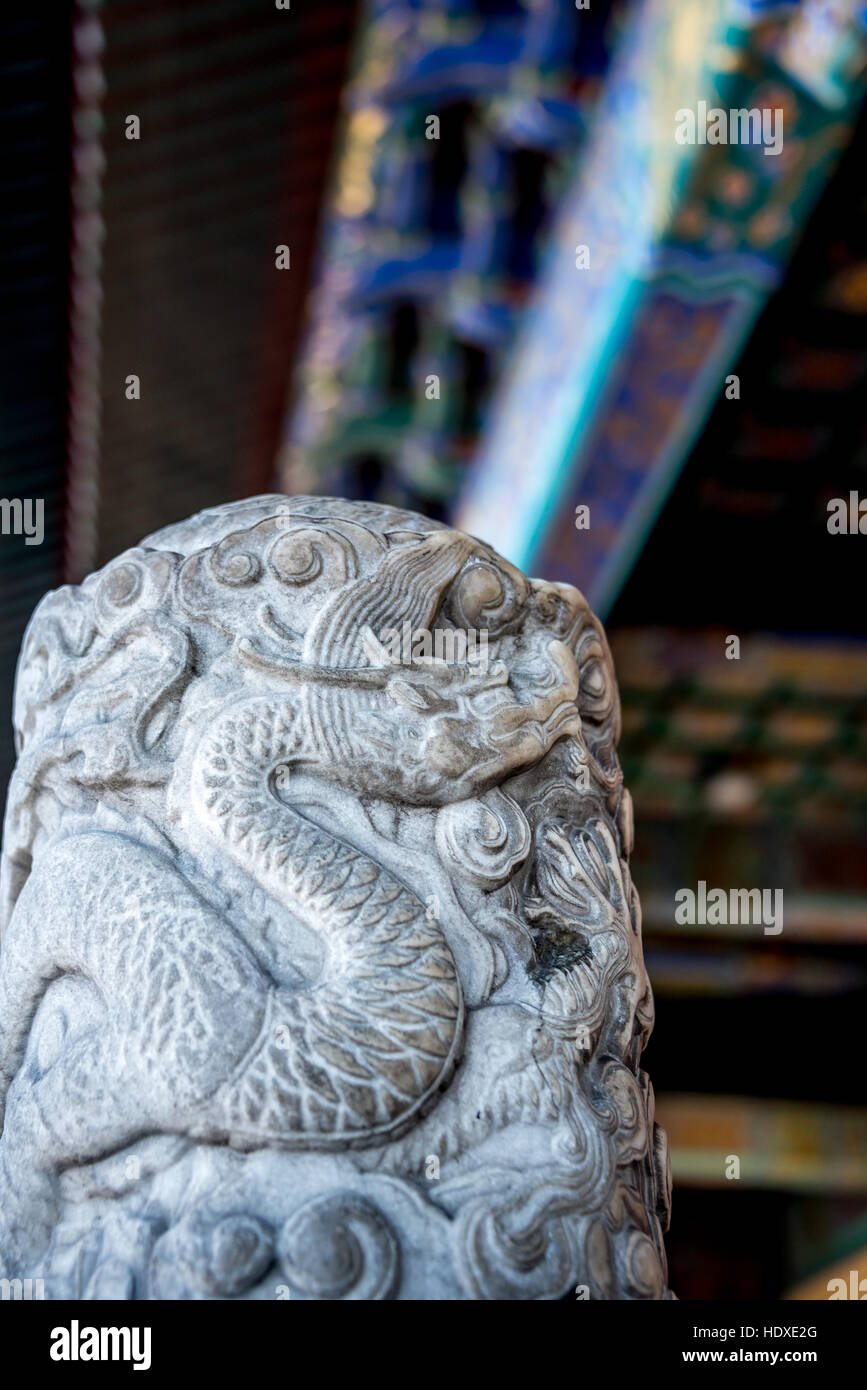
(487, 596)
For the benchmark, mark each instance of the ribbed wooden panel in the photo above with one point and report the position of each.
(237, 105)
(34, 230)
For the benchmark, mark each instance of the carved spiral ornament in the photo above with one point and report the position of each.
(340, 1247)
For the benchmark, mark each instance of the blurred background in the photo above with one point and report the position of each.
(451, 256)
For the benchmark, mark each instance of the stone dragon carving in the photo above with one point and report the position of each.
(321, 973)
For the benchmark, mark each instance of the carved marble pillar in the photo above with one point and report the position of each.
(321, 971)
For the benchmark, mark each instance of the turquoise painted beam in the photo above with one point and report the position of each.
(718, 130)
